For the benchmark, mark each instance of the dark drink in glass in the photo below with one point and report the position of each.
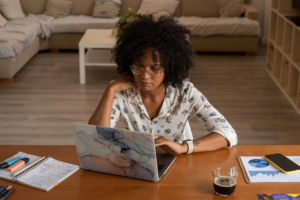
(224, 180)
(224, 186)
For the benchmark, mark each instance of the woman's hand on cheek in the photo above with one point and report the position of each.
(124, 83)
(169, 145)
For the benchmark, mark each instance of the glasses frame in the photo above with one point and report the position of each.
(160, 71)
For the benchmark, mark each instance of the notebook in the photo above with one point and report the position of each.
(40, 172)
(257, 170)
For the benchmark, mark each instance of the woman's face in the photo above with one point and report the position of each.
(145, 81)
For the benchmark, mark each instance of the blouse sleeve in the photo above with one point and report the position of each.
(211, 118)
(115, 112)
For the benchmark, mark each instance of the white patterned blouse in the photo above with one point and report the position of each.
(179, 104)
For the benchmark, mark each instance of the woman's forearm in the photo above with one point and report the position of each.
(102, 114)
(210, 142)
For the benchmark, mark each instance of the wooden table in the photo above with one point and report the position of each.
(189, 178)
(98, 43)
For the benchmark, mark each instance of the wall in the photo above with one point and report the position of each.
(267, 11)
(263, 7)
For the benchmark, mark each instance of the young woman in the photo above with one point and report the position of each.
(153, 59)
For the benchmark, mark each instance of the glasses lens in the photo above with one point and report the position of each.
(155, 73)
(136, 69)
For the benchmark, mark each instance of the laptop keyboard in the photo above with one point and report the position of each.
(160, 167)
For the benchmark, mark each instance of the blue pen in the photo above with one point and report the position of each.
(10, 162)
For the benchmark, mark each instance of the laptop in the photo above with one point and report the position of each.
(120, 152)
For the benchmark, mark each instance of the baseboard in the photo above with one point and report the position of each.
(6, 80)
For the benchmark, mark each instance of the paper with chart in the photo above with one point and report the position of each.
(47, 173)
(8, 175)
(259, 170)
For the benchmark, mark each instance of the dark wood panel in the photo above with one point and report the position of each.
(188, 178)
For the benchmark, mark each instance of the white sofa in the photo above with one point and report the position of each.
(67, 32)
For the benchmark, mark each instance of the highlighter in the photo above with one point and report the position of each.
(18, 164)
(9, 162)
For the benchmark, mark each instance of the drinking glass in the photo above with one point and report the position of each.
(225, 180)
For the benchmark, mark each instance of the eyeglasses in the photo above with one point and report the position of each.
(153, 73)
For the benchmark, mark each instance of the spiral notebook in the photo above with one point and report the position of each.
(40, 172)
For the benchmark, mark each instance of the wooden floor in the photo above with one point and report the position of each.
(46, 97)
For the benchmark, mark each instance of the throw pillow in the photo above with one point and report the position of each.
(159, 7)
(231, 8)
(11, 9)
(107, 8)
(58, 8)
(2, 21)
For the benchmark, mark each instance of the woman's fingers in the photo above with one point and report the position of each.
(159, 141)
(167, 149)
(137, 90)
(165, 144)
(125, 83)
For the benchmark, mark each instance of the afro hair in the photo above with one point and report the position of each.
(166, 37)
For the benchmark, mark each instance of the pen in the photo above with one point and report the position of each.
(10, 162)
(18, 164)
(30, 165)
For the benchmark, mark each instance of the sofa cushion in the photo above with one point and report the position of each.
(107, 8)
(33, 6)
(58, 8)
(80, 23)
(231, 8)
(3, 21)
(165, 7)
(199, 8)
(11, 9)
(235, 26)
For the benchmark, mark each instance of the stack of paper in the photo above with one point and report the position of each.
(257, 170)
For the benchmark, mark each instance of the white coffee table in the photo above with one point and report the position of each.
(99, 43)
